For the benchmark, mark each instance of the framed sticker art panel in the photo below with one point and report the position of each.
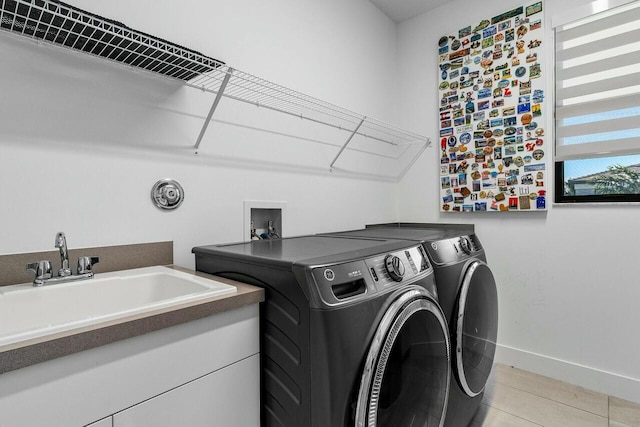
(492, 135)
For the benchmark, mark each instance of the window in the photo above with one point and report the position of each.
(598, 106)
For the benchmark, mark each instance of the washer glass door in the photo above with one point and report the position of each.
(407, 371)
(476, 328)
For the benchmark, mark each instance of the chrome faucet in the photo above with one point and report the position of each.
(43, 272)
(61, 243)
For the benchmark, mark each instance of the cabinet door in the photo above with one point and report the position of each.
(105, 422)
(227, 397)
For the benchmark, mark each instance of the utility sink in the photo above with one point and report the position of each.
(28, 312)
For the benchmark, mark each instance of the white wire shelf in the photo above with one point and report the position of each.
(60, 24)
(244, 87)
(64, 25)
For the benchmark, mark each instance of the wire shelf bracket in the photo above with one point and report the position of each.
(355, 131)
(216, 101)
(415, 158)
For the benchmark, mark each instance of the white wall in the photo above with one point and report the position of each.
(567, 278)
(83, 141)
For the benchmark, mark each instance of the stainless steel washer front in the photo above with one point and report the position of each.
(406, 376)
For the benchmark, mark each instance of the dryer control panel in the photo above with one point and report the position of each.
(452, 250)
(352, 281)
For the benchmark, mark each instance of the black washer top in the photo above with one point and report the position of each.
(405, 233)
(413, 234)
(305, 250)
(456, 229)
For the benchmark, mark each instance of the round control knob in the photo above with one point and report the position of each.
(394, 267)
(465, 244)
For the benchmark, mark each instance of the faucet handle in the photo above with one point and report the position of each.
(41, 270)
(85, 264)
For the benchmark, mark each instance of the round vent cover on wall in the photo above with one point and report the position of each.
(167, 194)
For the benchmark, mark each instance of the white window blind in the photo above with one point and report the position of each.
(598, 85)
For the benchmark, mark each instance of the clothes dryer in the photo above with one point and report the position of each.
(352, 332)
(468, 296)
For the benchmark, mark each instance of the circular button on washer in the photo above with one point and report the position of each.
(465, 244)
(329, 274)
(394, 267)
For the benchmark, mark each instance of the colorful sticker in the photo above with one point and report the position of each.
(534, 8)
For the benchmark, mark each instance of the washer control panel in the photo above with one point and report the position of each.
(351, 281)
(398, 266)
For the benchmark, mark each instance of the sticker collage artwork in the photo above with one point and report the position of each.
(492, 136)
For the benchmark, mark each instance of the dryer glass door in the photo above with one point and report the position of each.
(476, 328)
(407, 371)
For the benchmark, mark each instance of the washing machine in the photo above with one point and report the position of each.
(468, 296)
(351, 330)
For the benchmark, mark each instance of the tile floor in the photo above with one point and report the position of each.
(516, 398)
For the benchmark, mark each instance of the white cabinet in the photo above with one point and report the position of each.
(227, 397)
(191, 365)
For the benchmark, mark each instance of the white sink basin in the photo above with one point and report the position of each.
(28, 312)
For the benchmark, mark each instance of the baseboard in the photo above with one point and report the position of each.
(584, 376)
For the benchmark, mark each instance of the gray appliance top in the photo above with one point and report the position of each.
(405, 233)
(458, 228)
(305, 250)
(444, 245)
(411, 234)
